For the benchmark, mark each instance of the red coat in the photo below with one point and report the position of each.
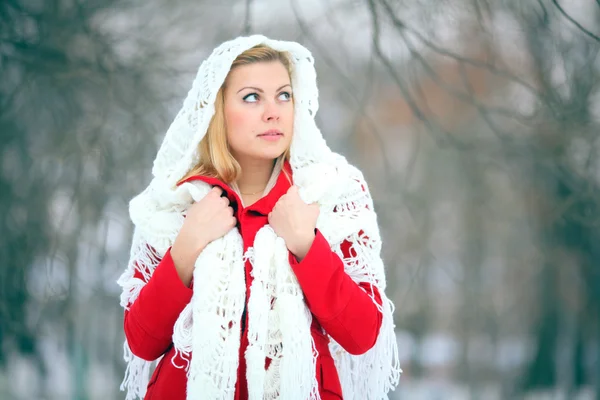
(339, 306)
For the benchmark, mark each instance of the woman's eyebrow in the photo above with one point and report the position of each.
(262, 91)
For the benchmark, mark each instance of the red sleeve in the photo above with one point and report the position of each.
(149, 321)
(343, 308)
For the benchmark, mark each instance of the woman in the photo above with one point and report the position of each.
(255, 269)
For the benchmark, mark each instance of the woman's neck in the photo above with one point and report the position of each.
(255, 175)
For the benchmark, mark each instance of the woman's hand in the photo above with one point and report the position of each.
(206, 220)
(295, 221)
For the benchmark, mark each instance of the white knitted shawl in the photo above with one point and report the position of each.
(279, 320)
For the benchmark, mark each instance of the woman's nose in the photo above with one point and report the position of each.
(271, 112)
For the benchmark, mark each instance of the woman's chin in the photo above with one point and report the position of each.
(270, 154)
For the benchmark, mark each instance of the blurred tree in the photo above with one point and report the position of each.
(76, 110)
(563, 157)
(552, 149)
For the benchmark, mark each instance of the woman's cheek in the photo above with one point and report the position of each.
(238, 123)
(235, 117)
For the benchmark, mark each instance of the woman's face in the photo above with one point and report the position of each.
(259, 112)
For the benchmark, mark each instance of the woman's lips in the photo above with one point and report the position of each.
(271, 135)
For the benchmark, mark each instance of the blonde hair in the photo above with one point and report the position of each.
(216, 160)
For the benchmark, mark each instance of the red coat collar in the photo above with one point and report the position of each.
(262, 206)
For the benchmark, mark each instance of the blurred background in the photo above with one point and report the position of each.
(475, 123)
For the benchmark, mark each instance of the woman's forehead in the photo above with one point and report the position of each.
(263, 75)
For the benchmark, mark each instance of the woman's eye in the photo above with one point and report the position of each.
(251, 98)
(285, 95)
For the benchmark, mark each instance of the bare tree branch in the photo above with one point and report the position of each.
(574, 22)
(348, 85)
(467, 98)
(401, 25)
(483, 109)
(483, 112)
(434, 128)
